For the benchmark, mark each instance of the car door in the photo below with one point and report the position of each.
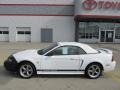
(63, 58)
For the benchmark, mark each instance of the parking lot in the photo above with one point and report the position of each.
(9, 81)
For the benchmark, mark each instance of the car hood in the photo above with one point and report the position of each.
(26, 54)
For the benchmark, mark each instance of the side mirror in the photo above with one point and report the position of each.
(49, 54)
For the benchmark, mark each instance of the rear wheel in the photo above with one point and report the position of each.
(93, 71)
(26, 70)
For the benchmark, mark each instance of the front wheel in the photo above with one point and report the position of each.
(26, 70)
(93, 71)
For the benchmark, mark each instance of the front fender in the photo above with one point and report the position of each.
(34, 61)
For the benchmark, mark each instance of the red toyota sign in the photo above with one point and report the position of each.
(93, 4)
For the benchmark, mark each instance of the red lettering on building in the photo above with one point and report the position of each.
(114, 5)
(94, 4)
(89, 4)
(100, 4)
(118, 6)
(107, 5)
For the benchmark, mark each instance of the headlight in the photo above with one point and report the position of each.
(11, 58)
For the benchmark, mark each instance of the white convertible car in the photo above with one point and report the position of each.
(62, 58)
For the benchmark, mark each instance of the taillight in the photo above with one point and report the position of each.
(113, 58)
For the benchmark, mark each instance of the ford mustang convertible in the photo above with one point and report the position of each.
(62, 58)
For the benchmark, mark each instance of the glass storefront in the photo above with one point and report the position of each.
(99, 32)
(117, 33)
(88, 31)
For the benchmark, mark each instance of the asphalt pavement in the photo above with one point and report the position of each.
(11, 81)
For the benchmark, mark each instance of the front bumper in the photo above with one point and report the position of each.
(11, 66)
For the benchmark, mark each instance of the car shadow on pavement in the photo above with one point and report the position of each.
(61, 76)
(5, 76)
(67, 77)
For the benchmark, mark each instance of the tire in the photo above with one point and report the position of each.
(26, 70)
(93, 71)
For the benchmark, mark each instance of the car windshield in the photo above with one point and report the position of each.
(43, 51)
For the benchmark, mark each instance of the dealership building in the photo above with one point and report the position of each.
(90, 21)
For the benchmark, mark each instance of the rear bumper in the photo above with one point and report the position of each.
(110, 67)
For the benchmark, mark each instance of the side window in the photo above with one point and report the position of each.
(59, 51)
(73, 50)
(81, 51)
(67, 50)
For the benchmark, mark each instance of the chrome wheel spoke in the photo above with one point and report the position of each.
(93, 67)
(24, 68)
(26, 71)
(97, 71)
(30, 70)
(28, 67)
(90, 71)
(94, 71)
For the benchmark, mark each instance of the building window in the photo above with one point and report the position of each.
(4, 32)
(23, 32)
(117, 33)
(27, 32)
(0, 32)
(87, 31)
(20, 32)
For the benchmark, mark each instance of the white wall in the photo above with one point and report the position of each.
(36, 1)
(63, 26)
(89, 40)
